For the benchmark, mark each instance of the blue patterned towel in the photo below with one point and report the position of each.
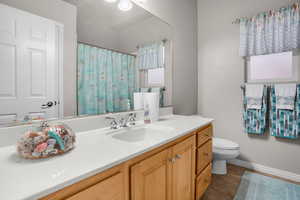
(161, 95)
(255, 119)
(285, 123)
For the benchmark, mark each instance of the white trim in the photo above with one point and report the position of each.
(265, 169)
(60, 56)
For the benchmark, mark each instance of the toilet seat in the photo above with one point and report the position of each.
(223, 144)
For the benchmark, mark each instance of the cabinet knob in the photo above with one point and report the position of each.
(177, 156)
(172, 160)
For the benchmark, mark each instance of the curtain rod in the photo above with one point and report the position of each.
(118, 51)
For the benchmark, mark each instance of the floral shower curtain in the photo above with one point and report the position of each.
(106, 80)
(270, 32)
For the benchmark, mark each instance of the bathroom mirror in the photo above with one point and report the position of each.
(89, 62)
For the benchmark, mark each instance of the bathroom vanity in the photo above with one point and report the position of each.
(178, 170)
(166, 160)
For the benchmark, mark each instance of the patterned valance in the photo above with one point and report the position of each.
(270, 32)
(151, 56)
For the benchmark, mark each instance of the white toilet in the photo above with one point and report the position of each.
(223, 150)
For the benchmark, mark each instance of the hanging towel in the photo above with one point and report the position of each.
(285, 96)
(161, 95)
(255, 119)
(285, 123)
(254, 95)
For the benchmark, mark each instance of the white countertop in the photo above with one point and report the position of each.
(95, 152)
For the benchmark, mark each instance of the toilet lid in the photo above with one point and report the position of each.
(224, 144)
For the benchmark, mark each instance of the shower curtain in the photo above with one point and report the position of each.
(106, 80)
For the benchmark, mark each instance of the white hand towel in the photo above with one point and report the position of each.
(254, 95)
(285, 96)
(138, 99)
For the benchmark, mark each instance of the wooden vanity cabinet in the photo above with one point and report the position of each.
(182, 170)
(203, 181)
(111, 188)
(150, 178)
(179, 170)
(204, 156)
(108, 185)
(168, 175)
(204, 160)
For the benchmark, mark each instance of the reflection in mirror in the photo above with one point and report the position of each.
(119, 53)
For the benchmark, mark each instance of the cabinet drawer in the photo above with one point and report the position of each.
(203, 181)
(204, 156)
(204, 135)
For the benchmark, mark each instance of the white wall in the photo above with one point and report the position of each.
(182, 16)
(64, 13)
(144, 32)
(97, 35)
(220, 74)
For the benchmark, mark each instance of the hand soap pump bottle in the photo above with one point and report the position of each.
(147, 114)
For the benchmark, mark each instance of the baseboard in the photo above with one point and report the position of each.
(268, 170)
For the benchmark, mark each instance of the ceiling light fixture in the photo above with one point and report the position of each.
(125, 5)
(141, 1)
(110, 1)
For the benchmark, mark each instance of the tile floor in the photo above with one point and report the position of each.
(224, 187)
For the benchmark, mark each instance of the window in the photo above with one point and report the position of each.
(272, 68)
(156, 77)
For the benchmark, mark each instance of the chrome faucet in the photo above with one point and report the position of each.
(113, 124)
(123, 122)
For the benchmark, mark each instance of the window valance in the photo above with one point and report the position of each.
(270, 32)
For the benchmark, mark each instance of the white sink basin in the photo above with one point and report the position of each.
(140, 133)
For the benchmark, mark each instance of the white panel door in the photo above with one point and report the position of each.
(10, 54)
(28, 66)
(39, 68)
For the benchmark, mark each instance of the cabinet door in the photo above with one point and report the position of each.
(150, 178)
(183, 170)
(111, 188)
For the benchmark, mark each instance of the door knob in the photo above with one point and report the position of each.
(49, 104)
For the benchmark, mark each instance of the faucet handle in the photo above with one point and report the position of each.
(132, 118)
(113, 124)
